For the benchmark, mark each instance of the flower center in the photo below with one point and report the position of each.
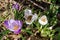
(15, 27)
(43, 19)
(29, 18)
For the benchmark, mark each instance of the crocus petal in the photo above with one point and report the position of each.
(13, 25)
(17, 32)
(15, 6)
(29, 22)
(19, 23)
(29, 16)
(43, 20)
(35, 16)
(6, 24)
(27, 12)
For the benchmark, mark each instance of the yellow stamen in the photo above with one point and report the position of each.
(43, 19)
(15, 27)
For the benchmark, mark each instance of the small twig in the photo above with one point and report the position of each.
(37, 5)
(22, 2)
(47, 2)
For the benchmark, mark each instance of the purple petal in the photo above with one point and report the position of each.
(6, 24)
(10, 24)
(19, 23)
(18, 31)
(15, 6)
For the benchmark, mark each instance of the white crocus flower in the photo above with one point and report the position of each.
(29, 16)
(43, 20)
(27, 12)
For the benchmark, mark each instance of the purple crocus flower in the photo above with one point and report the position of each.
(16, 6)
(13, 25)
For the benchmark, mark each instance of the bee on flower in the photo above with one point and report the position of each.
(13, 25)
(43, 20)
(29, 17)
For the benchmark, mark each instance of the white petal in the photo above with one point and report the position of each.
(43, 22)
(29, 22)
(51, 27)
(28, 12)
(35, 16)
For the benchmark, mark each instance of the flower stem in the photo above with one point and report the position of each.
(40, 28)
